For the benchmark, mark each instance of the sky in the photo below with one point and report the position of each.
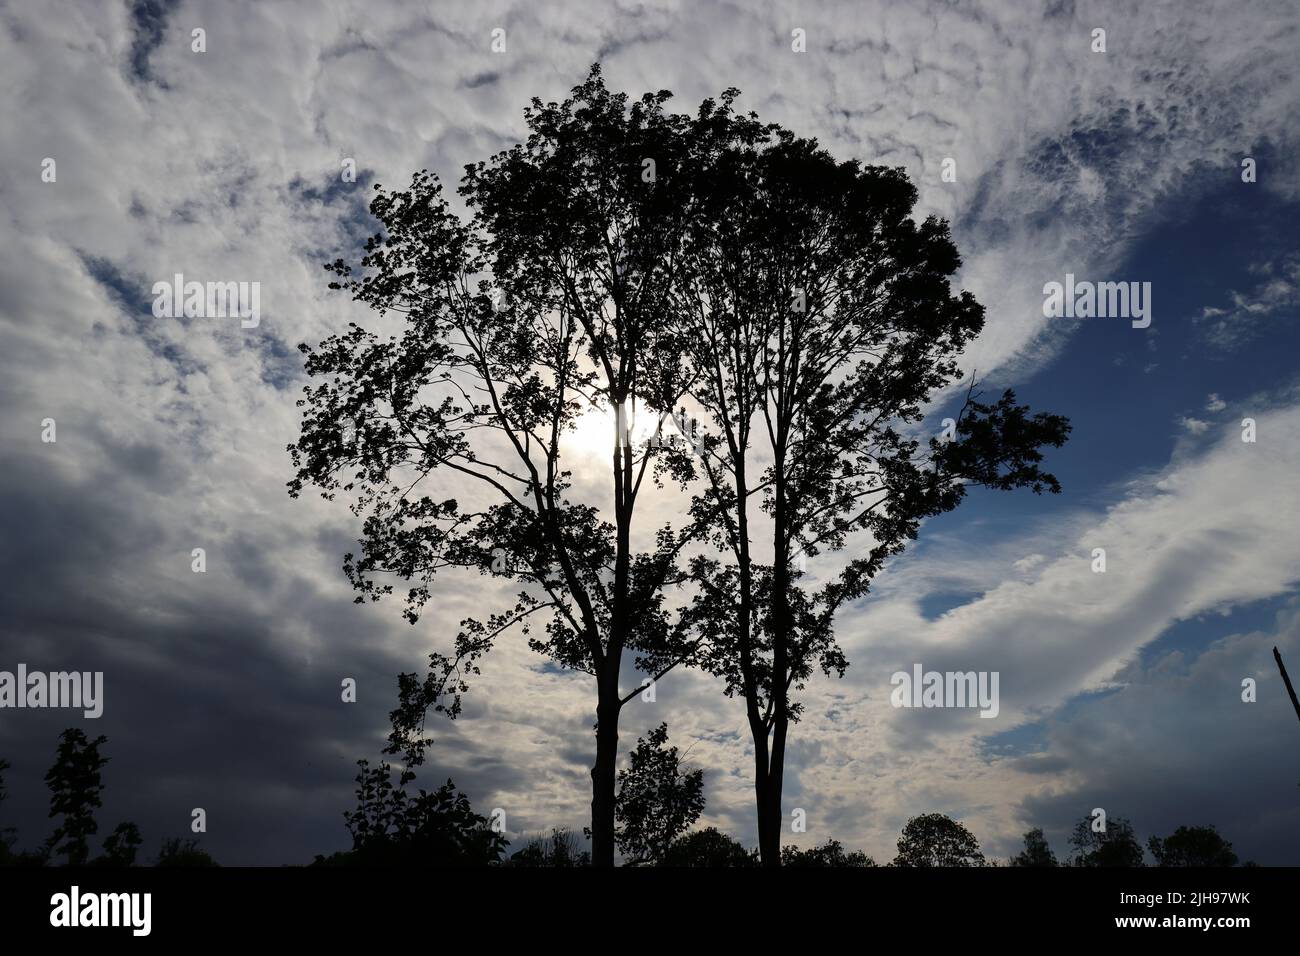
(1120, 690)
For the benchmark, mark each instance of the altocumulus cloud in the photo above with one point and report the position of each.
(221, 688)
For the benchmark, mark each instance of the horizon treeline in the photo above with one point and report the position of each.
(76, 786)
(658, 802)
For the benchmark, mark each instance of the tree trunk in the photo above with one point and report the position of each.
(775, 789)
(769, 830)
(602, 776)
(774, 780)
(769, 822)
(607, 671)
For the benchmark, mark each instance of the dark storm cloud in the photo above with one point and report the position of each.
(222, 688)
(205, 705)
(149, 24)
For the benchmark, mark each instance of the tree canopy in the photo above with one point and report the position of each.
(1037, 852)
(1115, 845)
(658, 799)
(934, 839)
(1192, 846)
(628, 261)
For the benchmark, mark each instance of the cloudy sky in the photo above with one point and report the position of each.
(1119, 690)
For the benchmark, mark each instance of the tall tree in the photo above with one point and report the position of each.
(935, 839)
(820, 322)
(549, 303)
(75, 789)
(658, 800)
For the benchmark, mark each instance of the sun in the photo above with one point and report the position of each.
(595, 432)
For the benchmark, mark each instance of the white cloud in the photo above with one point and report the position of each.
(1277, 290)
(1200, 537)
(176, 430)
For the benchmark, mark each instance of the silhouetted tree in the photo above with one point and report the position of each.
(7, 834)
(709, 847)
(1117, 845)
(934, 839)
(183, 851)
(121, 846)
(1036, 851)
(75, 789)
(1192, 846)
(820, 322)
(549, 303)
(828, 854)
(562, 848)
(392, 827)
(657, 800)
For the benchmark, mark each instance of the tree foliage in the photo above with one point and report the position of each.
(121, 846)
(828, 854)
(627, 260)
(1192, 846)
(183, 851)
(657, 799)
(75, 794)
(546, 304)
(1037, 852)
(933, 840)
(821, 322)
(1116, 845)
(391, 826)
(561, 848)
(709, 848)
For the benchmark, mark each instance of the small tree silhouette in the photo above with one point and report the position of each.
(1117, 845)
(1036, 851)
(392, 827)
(656, 801)
(121, 846)
(75, 789)
(934, 839)
(1192, 846)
